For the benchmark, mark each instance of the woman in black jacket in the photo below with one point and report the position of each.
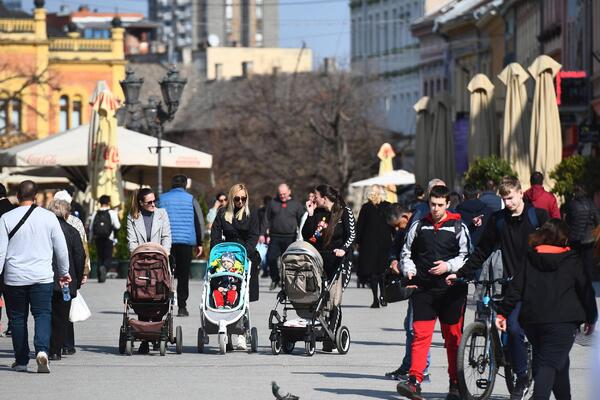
(60, 307)
(235, 223)
(330, 228)
(557, 296)
(582, 216)
(374, 238)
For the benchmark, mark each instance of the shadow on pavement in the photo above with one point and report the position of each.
(113, 312)
(370, 393)
(372, 343)
(99, 349)
(344, 375)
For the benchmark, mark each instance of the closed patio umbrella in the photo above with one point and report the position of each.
(483, 126)
(546, 138)
(514, 146)
(105, 176)
(422, 138)
(441, 146)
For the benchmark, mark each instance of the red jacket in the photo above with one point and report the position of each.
(540, 198)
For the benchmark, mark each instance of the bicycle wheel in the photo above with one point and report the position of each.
(476, 369)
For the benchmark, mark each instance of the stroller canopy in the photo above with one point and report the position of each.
(229, 247)
(300, 247)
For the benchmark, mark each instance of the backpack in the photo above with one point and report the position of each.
(102, 227)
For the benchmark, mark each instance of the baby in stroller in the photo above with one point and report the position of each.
(225, 292)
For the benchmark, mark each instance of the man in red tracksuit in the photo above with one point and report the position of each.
(434, 247)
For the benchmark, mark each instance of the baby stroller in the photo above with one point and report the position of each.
(150, 294)
(306, 291)
(235, 318)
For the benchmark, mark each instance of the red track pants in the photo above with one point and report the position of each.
(228, 297)
(423, 334)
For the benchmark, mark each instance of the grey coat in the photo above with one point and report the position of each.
(161, 230)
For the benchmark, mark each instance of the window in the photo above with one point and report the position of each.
(377, 38)
(63, 119)
(247, 68)
(359, 40)
(425, 87)
(3, 116)
(218, 71)
(395, 29)
(370, 33)
(76, 115)
(386, 43)
(15, 118)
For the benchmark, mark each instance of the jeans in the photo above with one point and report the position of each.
(408, 328)
(516, 342)
(19, 299)
(277, 246)
(183, 254)
(551, 343)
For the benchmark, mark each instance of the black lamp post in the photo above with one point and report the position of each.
(171, 87)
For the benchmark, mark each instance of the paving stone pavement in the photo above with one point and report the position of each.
(97, 371)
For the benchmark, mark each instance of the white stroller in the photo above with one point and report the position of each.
(234, 319)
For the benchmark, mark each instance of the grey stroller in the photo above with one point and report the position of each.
(312, 297)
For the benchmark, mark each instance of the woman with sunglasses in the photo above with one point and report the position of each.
(147, 223)
(235, 223)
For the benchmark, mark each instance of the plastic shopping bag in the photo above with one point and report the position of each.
(79, 309)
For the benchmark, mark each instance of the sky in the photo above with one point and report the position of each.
(323, 24)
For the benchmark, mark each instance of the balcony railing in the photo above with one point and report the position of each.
(72, 44)
(17, 25)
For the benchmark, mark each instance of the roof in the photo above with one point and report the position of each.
(7, 13)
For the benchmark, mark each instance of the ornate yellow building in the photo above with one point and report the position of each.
(45, 81)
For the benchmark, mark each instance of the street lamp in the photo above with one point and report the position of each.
(171, 87)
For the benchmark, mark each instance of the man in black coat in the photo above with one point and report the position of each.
(5, 206)
(474, 212)
(281, 221)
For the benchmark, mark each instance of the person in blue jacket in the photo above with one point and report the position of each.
(187, 234)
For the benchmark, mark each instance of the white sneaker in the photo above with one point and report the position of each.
(241, 342)
(42, 363)
(19, 368)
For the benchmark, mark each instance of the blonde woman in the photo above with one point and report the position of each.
(374, 238)
(235, 223)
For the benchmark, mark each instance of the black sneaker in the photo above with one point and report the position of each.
(144, 348)
(182, 312)
(521, 388)
(102, 274)
(410, 389)
(68, 352)
(398, 374)
(8, 332)
(453, 392)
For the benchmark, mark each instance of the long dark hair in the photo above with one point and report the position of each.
(137, 198)
(555, 232)
(337, 210)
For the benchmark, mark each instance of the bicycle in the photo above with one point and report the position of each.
(483, 350)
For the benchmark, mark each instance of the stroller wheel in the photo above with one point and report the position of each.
(122, 342)
(310, 346)
(129, 347)
(342, 340)
(222, 343)
(254, 340)
(178, 340)
(276, 345)
(200, 340)
(163, 347)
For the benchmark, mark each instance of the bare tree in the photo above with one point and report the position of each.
(304, 129)
(16, 84)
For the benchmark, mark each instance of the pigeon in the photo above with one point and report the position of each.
(288, 396)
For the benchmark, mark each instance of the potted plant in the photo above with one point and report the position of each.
(483, 169)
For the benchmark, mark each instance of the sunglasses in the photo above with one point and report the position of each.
(151, 202)
(222, 199)
(237, 199)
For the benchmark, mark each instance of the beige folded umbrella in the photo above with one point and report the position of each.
(514, 146)
(423, 108)
(483, 126)
(386, 156)
(441, 146)
(546, 139)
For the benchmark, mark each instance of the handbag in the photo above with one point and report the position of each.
(395, 289)
(79, 309)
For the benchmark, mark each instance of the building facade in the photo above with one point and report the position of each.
(384, 48)
(46, 81)
(228, 23)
